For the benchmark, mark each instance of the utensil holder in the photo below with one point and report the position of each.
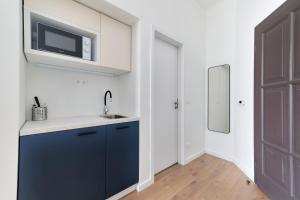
(39, 113)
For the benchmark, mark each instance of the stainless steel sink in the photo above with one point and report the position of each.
(113, 116)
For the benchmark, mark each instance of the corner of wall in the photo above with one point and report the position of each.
(193, 157)
(145, 184)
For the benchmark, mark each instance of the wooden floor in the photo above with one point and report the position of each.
(206, 178)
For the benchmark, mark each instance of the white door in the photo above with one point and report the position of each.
(164, 95)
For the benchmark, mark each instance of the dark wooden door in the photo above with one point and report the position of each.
(277, 103)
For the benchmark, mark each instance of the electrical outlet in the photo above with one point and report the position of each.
(82, 82)
(85, 82)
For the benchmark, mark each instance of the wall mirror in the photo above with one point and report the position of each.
(219, 99)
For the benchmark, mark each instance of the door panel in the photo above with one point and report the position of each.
(63, 165)
(164, 114)
(296, 110)
(276, 51)
(115, 44)
(277, 167)
(122, 157)
(277, 99)
(275, 118)
(297, 178)
(297, 45)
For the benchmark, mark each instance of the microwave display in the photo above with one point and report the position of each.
(52, 39)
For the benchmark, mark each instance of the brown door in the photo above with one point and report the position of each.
(277, 103)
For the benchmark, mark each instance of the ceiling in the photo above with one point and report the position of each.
(206, 3)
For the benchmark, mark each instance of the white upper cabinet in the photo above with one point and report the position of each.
(115, 45)
(111, 40)
(67, 10)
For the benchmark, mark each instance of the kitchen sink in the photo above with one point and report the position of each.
(113, 116)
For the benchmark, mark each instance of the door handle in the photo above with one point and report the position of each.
(86, 134)
(122, 127)
(176, 104)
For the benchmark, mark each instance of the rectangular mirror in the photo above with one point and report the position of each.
(219, 99)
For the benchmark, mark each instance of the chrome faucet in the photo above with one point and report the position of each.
(106, 110)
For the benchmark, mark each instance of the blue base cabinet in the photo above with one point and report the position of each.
(82, 164)
(67, 165)
(122, 157)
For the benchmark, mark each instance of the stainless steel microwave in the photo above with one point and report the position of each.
(55, 40)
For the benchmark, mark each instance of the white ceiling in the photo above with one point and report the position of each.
(206, 3)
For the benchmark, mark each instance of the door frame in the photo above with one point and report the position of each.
(162, 35)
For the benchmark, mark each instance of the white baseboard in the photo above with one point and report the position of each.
(230, 159)
(145, 184)
(123, 193)
(150, 181)
(193, 157)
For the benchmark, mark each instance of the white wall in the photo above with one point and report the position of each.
(249, 14)
(12, 114)
(129, 100)
(69, 94)
(220, 49)
(184, 21)
(230, 26)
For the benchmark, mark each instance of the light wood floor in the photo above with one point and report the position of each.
(206, 178)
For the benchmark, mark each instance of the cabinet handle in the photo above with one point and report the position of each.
(86, 134)
(122, 127)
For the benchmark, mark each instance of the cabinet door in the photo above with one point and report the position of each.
(115, 48)
(67, 165)
(68, 11)
(122, 159)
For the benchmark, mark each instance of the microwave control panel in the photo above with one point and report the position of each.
(86, 48)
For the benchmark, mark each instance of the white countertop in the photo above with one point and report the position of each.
(60, 124)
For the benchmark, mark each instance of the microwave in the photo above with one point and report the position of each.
(59, 41)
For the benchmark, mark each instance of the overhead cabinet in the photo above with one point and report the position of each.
(115, 44)
(68, 11)
(77, 29)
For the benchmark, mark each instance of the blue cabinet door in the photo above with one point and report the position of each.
(66, 165)
(122, 157)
